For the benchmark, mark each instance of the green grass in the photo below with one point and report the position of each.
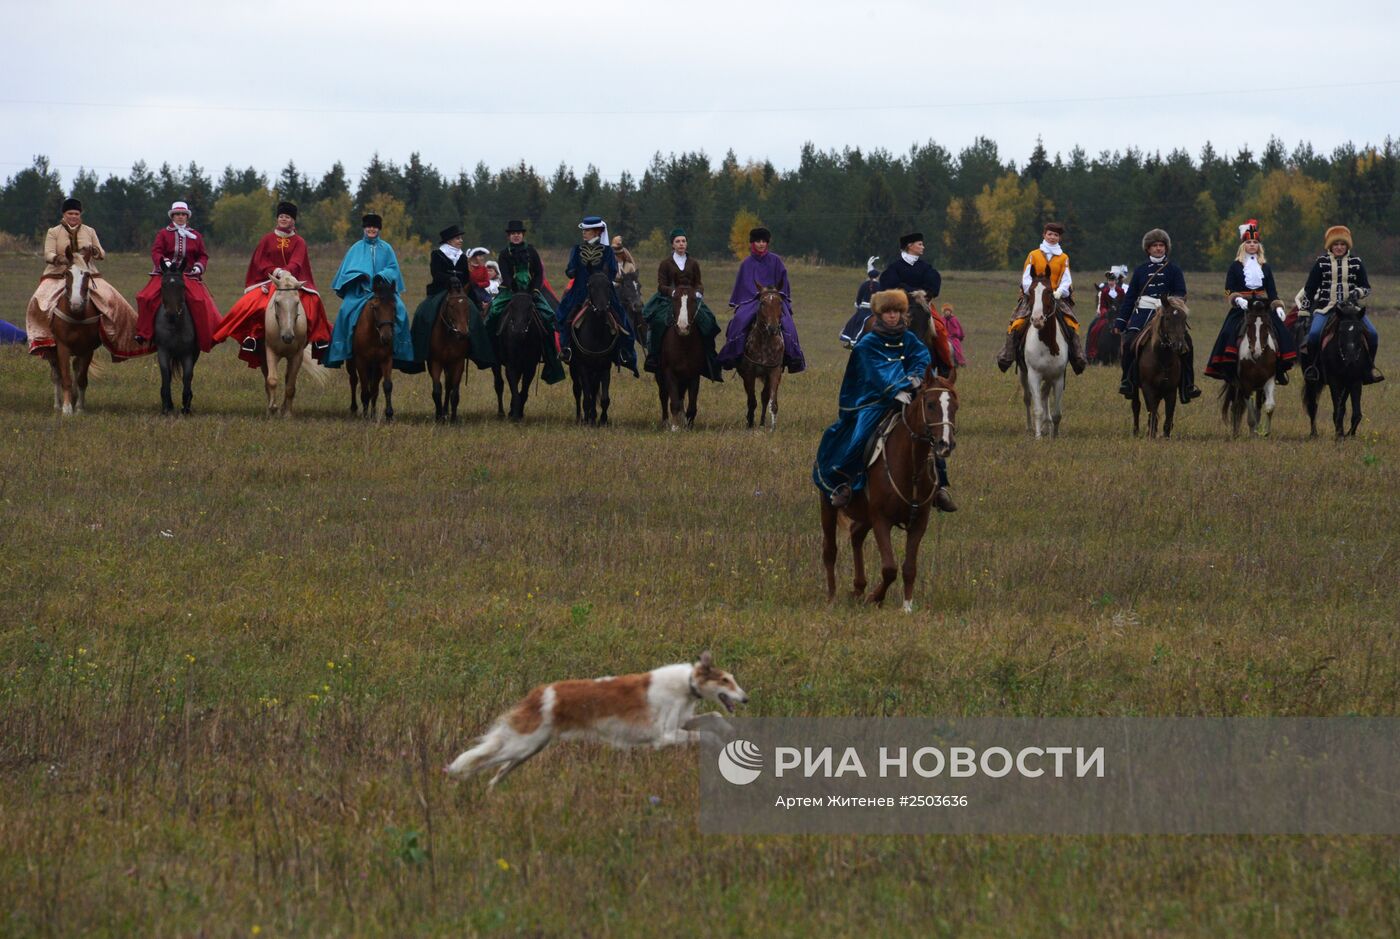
(236, 727)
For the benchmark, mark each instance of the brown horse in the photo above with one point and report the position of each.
(682, 360)
(1160, 347)
(448, 347)
(763, 355)
(77, 332)
(899, 491)
(1252, 388)
(372, 351)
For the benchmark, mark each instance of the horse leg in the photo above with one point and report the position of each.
(775, 379)
(81, 363)
(352, 371)
(888, 571)
(663, 394)
(57, 380)
(187, 394)
(1170, 401)
(858, 533)
(269, 371)
(65, 373)
(289, 385)
(1056, 405)
(435, 374)
(1137, 410)
(1355, 408)
(1339, 406)
(499, 383)
(1032, 424)
(456, 375)
(604, 398)
(1266, 407)
(910, 568)
(167, 404)
(387, 370)
(748, 390)
(829, 546)
(694, 406)
(1149, 401)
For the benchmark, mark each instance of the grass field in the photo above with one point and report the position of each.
(235, 652)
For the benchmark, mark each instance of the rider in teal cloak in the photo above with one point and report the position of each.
(353, 282)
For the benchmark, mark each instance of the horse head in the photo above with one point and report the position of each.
(935, 414)
(1172, 324)
(599, 292)
(770, 310)
(285, 304)
(456, 310)
(172, 290)
(1350, 338)
(629, 291)
(683, 304)
(1037, 296)
(385, 307)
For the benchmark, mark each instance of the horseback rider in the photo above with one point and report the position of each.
(183, 249)
(677, 272)
(1048, 259)
(1337, 277)
(63, 244)
(855, 326)
(626, 264)
(520, 270)
(366, 262)
(591, 256)
(449, 262)
(1153, 281)
(282, 249)
(884, 371)
(762, 268)
(910, 272)
(1250, 278)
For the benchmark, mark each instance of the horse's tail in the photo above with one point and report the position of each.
(1227, 399)
(309, 366)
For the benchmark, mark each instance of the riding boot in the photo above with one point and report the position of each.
(1375, 374)
(1077, 361)
(1189, 391)
(650, 364)
(1007, 356)
(566, 348)
(1280, 374)
(1125, 387)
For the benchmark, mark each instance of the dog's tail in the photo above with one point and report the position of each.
(475, 759)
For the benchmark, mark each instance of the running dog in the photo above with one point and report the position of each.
(655, 708)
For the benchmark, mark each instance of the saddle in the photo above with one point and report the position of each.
(607, 313)
(876, 444)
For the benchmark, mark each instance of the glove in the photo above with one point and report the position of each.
(915, 381)
(196, 270)
(904, 397)
(1062, 293)
(1242, 303)
(277, 272)
(1353, 295)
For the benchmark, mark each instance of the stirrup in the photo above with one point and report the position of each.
(249, 345)
(1312, 374)
(841, 496)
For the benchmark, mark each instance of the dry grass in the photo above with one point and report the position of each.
(234, 651)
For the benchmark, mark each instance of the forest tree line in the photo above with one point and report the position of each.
(977, 209)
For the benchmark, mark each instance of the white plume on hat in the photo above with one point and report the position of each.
(870, 263)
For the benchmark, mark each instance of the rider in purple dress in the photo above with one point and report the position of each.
(760, 269)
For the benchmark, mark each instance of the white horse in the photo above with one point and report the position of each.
(1046, 356)
(284, 339)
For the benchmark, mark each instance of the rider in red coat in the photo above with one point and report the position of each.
(282, 248)
(183, 248)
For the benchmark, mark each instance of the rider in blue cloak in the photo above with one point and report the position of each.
(886, 367)
(367, 258)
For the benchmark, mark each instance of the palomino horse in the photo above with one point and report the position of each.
(682, 360)
(77, 332)
(372, 351)
(763, 355)
(1160, 348)
(175, 339)
(629, 294)
(1043, 360)
(1344, 362)
(1252, 388)
(595, 337)
(448, 347)
(520, 342)
(285, 340)
(899, 491)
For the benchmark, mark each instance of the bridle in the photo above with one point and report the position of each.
(766, 330)
(67, 291)
(928, 437)
(588, 305)
(460, 297)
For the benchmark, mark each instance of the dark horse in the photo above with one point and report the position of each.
(898, 493)
(448, 347)
(682, 360)
(595, 339)
(519, 341)
(1160, 348)
(1344, 364)
(629, 294)
(175, 338)
(763, 355)
(372, 351)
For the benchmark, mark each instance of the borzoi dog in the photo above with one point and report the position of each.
(654, 708)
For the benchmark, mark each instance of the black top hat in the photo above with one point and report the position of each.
(515, 225)
(450, 232)
(907, 240)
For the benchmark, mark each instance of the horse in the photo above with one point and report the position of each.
(1344, 363)
(175, 338)
(1044, 357)
(763, 355)
(448, 347)
(1160, 347)
(901, 482)
(77, 332)
(1252, 388)
(285, 340)
(595, 338)
(1104, 348)
(372, 351)
(519, 344)
(629, 294)
(682, 360)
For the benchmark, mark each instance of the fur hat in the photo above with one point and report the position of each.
(1249, 231)
(178, 207)
(907, 240)
(72, 205)
(887, 300)
(1335, 234)
(1056, 227)
(760, 234)
(371, 221)
(1157, 234)
(287, 208)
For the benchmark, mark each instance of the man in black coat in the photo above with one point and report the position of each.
(910, 271)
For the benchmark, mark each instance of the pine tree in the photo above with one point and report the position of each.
(875, 225)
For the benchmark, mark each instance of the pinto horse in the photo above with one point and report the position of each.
(899, 491)
(595, 339)
(448, 347)
(1252, 388)
(372, 351)
(77, 332)
(763, 355)
(1160, 348)
(175, 339)
(682, 360)
(519, 344)
(1344, 363)
(285, 340)
(1044, 357)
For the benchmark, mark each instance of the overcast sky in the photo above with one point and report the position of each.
(104, 84)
